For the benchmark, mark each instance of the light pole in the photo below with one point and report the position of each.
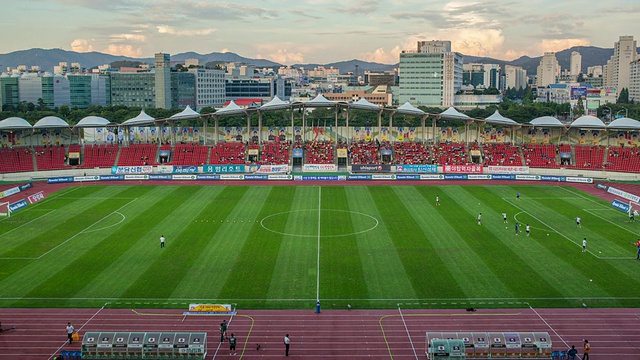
(626, 112)
(610, 113)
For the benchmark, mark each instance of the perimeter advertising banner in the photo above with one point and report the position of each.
(268, 169)
(319, 168)
(371, 168)
(508, 169)
(131, 169)
(463, 169)
(621, 206)
(623, 194)
(423, 169)
(210, 309)
(18, 205)
(224, 169)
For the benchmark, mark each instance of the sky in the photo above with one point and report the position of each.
(315, 31)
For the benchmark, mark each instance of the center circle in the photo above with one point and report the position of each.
(311, 222)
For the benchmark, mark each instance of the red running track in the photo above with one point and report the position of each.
(334, 334)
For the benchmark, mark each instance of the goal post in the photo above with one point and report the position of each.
(4, 209)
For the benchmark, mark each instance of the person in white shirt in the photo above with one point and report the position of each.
(287, 341)
(578, 222)
(584, 245)
(480, 219)
(161, 241)
(504, 217)
(70, 330)
(528, 229)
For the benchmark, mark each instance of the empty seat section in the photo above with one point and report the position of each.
(138, 155)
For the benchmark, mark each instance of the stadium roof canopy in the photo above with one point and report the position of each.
(50, 122)
(546, 121)
(141, 119)
(320, 101)
(15, 123)
(624, 123)
(453, 114)
(588, 121)
(364, 104)
(230, 110)
(497, 118)
(93, 122)
(408, 109)
(275, 104)
(187, 113)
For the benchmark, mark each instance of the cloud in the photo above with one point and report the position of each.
(129, 37)
(554, 45)
(123, 50)
(81, 45)
(476, 42)
(380, 55)
(280, 54)
(165, 29)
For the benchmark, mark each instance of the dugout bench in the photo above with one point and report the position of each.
(144, 345)
(488, 345)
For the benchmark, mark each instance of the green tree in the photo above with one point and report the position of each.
(578, 110)
(623, 98)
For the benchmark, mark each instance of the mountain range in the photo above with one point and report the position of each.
(46, 59)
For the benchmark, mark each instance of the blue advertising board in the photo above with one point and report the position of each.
(256, 177)
(58, 180)
(18, 205)
(208, 177)
(503, 177)
(621, 206)
(424, 169)
(159, 177)
(185, 169)
(455, 176)
(407, 177)
(111, 177)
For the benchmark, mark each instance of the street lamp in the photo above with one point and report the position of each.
(626, 112)
(610, 113)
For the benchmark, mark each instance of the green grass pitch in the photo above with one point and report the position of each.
(285, 247)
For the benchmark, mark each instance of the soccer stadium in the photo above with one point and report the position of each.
(418, 235)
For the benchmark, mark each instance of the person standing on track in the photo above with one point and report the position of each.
(223, 330)
(572, 353)
(70, 330)
(232, 344)
(587, 350)
(287, 342)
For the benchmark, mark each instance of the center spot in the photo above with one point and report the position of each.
(313, 223)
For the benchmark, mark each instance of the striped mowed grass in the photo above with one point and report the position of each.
(288, 246)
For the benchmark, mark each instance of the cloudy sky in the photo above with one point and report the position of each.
(315, 31)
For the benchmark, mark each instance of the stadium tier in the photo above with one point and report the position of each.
(534, 155)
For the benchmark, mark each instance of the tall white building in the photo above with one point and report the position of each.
(634, 81)
(575, 67)
(618, 67)
(548, 70)
(30, 87)
(430, 75)
(595, 71)
(515, 77)
(210, 88)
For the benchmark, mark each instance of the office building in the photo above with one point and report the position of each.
(481, 76)
(210, 87)
(162, 81)
(515, 77)
(634, 81)
(575, 67)
(548, 70)
(430, 75)
(619, 66)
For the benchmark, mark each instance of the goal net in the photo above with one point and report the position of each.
(4, 209)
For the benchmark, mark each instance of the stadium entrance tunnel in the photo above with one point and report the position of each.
(323, 223)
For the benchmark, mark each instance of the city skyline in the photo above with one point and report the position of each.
(320, 31)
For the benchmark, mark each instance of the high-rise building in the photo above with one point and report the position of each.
(210, 87)
(30, 87)
(515, 77)
(431, 75)
(634, 81)
(575, 67)
(548, 70)
(618, 67)
(481, 75)
(163, 81)
(9, 92)
(134, 89)
(594, 71)
(183, 90)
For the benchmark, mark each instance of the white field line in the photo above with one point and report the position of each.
(549, 325)
(77, 330)
(441, 300)
(318, 260)
(609, 221)
(74, 236)
(408, 334)
(27, 223)
(32, 208)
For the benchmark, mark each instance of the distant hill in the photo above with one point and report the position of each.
(48, 58)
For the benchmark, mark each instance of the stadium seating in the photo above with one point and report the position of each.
(95, 155)
(588, 157)
(274, 153)
(320, 152)
(501, 155)
(228, 153)
(50, 157)
(540, 156)
(138, 155)
(450, 153)
(411, 153)
(17, 159)
(623, 159)
(189, 154)
(364, 153)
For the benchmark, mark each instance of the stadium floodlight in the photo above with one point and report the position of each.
(4, 209)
